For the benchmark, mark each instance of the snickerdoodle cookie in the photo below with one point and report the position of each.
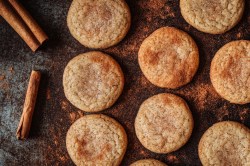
(169, 58)
(225, 143)
(230, 72)
(96, 140)
(93, 81)
(164, 123)
(99, 23)
(212, 16)
(148, 162)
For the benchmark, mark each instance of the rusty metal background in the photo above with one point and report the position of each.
(54, 114)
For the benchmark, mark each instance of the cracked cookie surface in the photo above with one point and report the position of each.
(225, 143)
(96, 140)
(163, 123)
(99, 23)
(212, 16)
(148, 162)
(168, 58)
(93, 81)
(230, 72)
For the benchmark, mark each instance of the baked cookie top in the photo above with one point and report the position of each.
(212, 16)
(99, 23)
(225, 143)
(96, 140)
(230, 72)
(164, 123)
(168, 58)
(93, 81)
(148, 162)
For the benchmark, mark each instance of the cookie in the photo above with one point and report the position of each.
(96, 140)
(99, 23)
(164, 123)
(212, 16)
(148, 162)
(93, 81)
(169, 58)
(225, 143)
(230, 72)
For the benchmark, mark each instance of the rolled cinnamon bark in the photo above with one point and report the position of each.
(30, 22)
(29, 106)
(10, 15)
(23, 23)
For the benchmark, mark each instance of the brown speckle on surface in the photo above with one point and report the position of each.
(72, 116)
(187, 28)
(239, 35)
(2, 77)
(4, 86)
(244, 114)
(11, 69)
(142, 152)
(172, 158)
(169, 11)
(144, 81)
(221, 113)
(205, 95)
(153, 4)
(48, 95)
(157, 8)
(64, 105)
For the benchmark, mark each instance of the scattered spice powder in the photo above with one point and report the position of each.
(48, 96)
(64, 105)
(172, 159)
(152, 4)
(72, 117)
(2, 77)
(11, 69)
(244, 114)
(202, 95)
(239, 35)
(222, 112)
(156, 8)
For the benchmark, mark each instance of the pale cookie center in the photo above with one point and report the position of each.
(95, 84)
(96, 19)
(210, 8)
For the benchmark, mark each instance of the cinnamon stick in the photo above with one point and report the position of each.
(23, 23)
(9, 14)
(29, 105)
(30, 22)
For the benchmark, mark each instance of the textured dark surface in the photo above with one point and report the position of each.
(54, 114)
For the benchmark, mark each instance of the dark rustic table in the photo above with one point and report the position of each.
(54, 114)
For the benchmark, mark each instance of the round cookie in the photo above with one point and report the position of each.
(96, 140)
(230, 72)
(99, 23)
(212, 16)
(93, 81)
(225, 143)
(164, 123)
(169, 58)
(148, 162)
